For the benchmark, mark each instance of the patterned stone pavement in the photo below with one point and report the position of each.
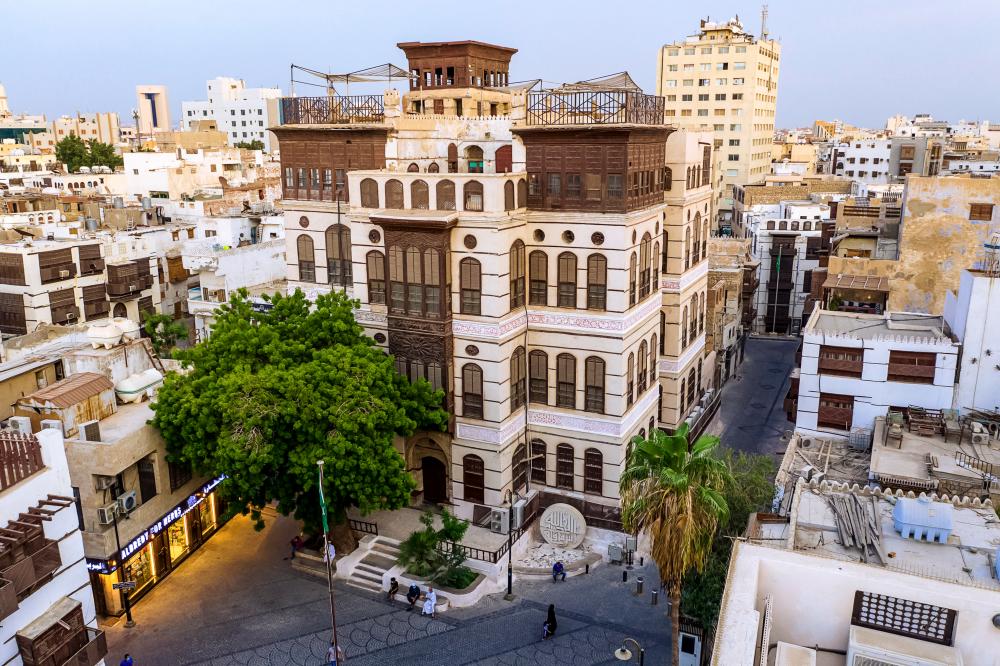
(237, 603)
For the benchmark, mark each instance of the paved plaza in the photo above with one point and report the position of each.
(237, 602)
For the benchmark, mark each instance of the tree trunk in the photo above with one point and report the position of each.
(675, 623)
(343, 538)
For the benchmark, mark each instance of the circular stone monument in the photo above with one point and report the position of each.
(563, 525)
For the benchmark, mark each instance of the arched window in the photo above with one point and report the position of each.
(508, 195)
(538, 272)
(631, 280)
(393, 194)
(419, 195)
(517, 275)
(472, 391)
(701, 314)
(652, 361)
(704, 239)
(452, 159)
(696, 248)
(473, 196)
(706, 165)
(432, 283)
(593, 472)
(375, 262)
(688, 186)
(338, 256)
(519, 467)
(663, 331)
(630, 396)
(566, 381)
(433, 167)
(413, 168)
(307, 258)
(522, 193)
(120, 310)
(518, 390)
(656, 266)
(694, 319)
(594, 385)
(597, 282)
(566, 287)
(538, 462)
(668, 178)
(564, 466)
(666, 252)
(538, 377)
(474, 159)
(692, 387)
(687, 248)
(643, 368)
(684, 328)
(473, 478)
(471, 282)
(681, 395)
(644, 266)
(369, 193)
(504, 159)
(445, 190)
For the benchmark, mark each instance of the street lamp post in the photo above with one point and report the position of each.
(328, 559)
(624, 654)
(509, 500)
(121, 572)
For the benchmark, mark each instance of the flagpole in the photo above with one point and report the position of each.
(328, 560)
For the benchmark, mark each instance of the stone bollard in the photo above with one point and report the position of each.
(655, 598)
(624, 576)
(638, 584)
(586, 569)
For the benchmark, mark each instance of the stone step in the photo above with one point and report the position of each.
(379, 561)
(367, 576)
(388, 549)
(365, 585)
(376, 571)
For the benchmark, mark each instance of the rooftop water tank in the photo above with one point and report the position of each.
(923, 519)
(104, 335)
(130, 329)
(133, 387)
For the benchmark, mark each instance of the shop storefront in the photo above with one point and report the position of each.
(156, 551)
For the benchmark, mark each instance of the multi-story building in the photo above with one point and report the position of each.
(864, 160)
(532, 253)
(732, 279)
(855, 367)
(46, 601)
(725, 80)
(244, 114)
(920, 156)
(153, 108)
(973, 315)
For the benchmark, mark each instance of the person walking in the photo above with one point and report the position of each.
(126, 660)
(549, 626)
(412, 594)
(558, 570)
(296, 543)
(335, 655)
(393, 590)
(430, 601)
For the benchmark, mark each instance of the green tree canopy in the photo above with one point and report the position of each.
(268, 394)
(74, 152)
(163, 332)
(253, 144)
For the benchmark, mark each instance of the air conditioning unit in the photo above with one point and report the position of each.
(90, 431)
(981, 438)
(102, 482)
(106, 514)
(64, 273)
(499, 522)
(127, 502)
(54, 424)
(20, 424)
(519, 508)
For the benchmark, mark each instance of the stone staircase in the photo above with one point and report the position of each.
(381, 557)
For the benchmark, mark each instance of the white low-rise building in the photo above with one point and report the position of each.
(864, 160)
(244, 114)
(856, 366)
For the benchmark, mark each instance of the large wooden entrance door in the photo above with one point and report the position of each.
(435, 480)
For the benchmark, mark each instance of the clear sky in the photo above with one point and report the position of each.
(857, 60)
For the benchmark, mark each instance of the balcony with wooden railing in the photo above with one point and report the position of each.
(333, 110)
(594, 107)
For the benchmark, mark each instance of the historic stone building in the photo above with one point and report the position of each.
(538, 254)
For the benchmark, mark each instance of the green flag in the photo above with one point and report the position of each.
(322, 503)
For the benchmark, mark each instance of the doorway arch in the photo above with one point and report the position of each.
(435, 478)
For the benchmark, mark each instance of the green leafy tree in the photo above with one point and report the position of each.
(254, 144)
(164, 332)
(748, 489)
(103, 154)
(436, 553)
(269, 394)
(673, 492)
(72, 151)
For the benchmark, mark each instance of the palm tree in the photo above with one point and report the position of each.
(673, 493)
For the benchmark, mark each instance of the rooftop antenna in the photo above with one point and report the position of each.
(763, 22)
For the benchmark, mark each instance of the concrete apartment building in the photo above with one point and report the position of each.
(558, 301)
(46, 601)
(154, 110)
(863, 160)
(244, 114)
(919, 156)
(913, 581)
(725, 80)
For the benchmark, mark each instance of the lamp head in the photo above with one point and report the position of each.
(623, 654)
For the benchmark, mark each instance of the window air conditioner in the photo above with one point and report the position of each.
(20, 424)
(499, 523)
(102, 482)
(106, 514)
(127, 502)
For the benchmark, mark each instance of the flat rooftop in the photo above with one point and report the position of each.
(868, 326)
(966, 558)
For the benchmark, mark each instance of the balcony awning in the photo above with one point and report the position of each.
(857, 282)
(619, 81)
(384, 72)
